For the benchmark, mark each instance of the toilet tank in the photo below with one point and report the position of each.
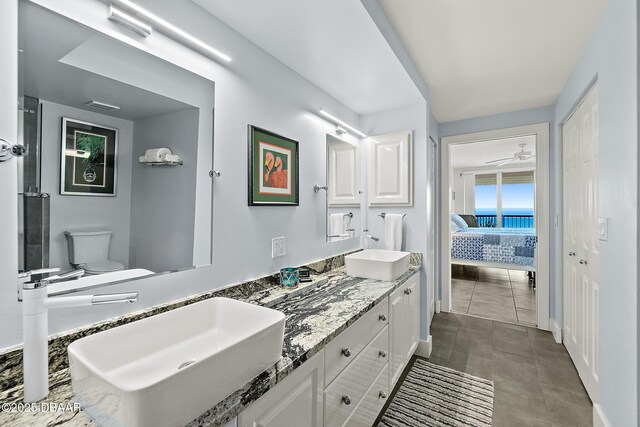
(88, 246)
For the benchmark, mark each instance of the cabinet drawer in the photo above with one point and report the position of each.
(343, 395)
(354, 339)
(371, 405)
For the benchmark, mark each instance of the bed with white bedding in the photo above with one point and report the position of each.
(512, 248)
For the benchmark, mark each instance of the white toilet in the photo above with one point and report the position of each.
(89, 250)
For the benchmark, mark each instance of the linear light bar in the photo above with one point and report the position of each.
(136, 25)
(340, 122)
(183, 34)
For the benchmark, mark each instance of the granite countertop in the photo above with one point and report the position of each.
(316, 312)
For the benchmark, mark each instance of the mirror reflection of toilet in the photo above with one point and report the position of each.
(89, 250)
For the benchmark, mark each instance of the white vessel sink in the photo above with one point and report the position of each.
(168, 369)
(377, 264)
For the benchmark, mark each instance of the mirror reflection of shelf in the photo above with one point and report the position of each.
(178, 163)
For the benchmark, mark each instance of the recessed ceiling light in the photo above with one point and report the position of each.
(342, 123)
(172, 28)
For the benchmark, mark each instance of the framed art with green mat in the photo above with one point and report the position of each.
(273, 169)
(88, 159)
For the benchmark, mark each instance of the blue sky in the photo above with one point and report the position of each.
(514, 196)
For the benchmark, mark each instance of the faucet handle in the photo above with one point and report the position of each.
(28, 274)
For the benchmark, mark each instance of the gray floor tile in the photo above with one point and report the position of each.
(527, 302)
(512, 341)
(527, 316)
(504, 325)
(558, 372)
(461, 292)
(460, 305)
(514, 368)
(568, 409)
(472, 363)
(497, 312)
(491, 298)
(519, 404)
(470, 322)
(473, 341)
(442, 344)
(494, 282)
(449, 322)
(525, 293)
(544, 341)
(437, 360)
(493, 289)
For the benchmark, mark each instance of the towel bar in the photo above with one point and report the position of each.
(383, 214)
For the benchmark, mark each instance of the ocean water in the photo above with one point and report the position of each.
(512, 211)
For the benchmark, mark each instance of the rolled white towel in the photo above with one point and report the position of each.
(172, 158)
(157, 154)
(142, 159)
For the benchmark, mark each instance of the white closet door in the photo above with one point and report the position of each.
(580, 258)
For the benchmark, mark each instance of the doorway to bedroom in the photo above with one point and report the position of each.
(494, 264)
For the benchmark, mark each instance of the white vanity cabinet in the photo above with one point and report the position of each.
(348, 382)
(295, 402)
(404, 320)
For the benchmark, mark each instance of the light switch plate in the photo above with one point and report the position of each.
(278, 247)
(603, 229)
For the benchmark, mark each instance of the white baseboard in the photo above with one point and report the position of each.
(424, 347)
(599, 419)
(556, 331)
(438, 306)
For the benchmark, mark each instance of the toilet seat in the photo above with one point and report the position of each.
(99, 267)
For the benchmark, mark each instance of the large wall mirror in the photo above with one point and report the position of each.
(344, 217)
(90, 194)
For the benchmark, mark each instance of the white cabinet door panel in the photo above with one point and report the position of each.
(391, 170)
(344, 174)
(295, 402)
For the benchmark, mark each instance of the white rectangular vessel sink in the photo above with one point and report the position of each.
(377, 264)
(168, 369)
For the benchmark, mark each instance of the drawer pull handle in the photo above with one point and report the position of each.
(382, 318)
(382, 395)
(382, 353)
(346, 399)
(346, 352)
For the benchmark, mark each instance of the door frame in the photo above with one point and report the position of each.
(542, 199)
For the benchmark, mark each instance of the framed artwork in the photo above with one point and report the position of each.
(273, 169)
(88, 159)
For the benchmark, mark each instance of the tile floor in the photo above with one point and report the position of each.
(535, 382)
(493, 293)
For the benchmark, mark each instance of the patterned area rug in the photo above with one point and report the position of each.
(433, 395)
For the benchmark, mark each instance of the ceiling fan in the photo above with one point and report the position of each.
(519, 155)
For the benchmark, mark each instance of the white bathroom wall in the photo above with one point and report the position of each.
(413, 119)
(85, 212)
(163, 197)
(253, 88)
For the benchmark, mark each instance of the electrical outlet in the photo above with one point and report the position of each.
(278, 247)
(603, 229)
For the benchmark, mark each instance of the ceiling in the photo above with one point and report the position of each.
(332, 43)
(476, 154)
(493, 56)
(46, 40)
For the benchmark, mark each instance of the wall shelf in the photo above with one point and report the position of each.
(178, 163)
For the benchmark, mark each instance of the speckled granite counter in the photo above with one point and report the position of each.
(315, 314)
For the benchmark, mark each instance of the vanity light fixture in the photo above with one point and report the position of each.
(339, 122)
(118, 16)
(173, 29)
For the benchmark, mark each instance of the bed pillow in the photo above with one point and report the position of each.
(453, 227)
(461, 223)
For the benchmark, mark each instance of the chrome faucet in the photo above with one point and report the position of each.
(36, 304)
(369, 236)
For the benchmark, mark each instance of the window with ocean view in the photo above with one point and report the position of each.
(515, 200)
